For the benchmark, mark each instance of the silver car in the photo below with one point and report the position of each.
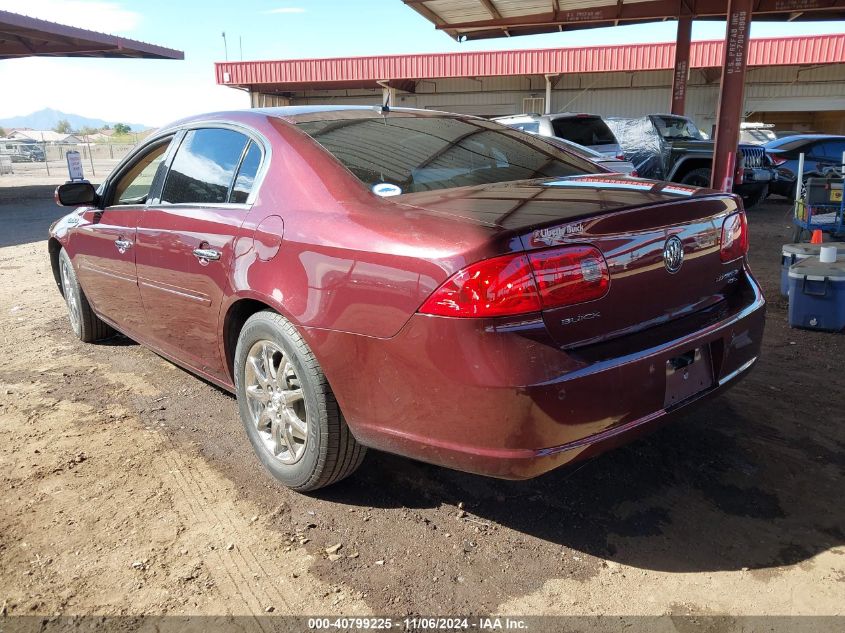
(619, 165)
(588, 130)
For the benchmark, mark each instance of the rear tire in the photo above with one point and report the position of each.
(697, 177)
(87, 326)
(288, 409)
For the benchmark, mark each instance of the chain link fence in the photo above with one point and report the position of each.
(98, 160)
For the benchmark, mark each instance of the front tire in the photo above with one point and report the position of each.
(288, 409)
(87, 326)
(697, 177)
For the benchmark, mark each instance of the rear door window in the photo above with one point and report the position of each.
(584, 130)
(204, 167)
(246, 174)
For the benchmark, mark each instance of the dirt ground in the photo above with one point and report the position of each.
(128, 487)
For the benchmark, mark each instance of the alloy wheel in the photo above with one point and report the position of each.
(276, 402)
(71, 298)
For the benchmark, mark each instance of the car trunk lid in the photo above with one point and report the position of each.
(630, 221)
(648, 287)
(521, 205)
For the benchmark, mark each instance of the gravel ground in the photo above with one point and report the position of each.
(128, 487)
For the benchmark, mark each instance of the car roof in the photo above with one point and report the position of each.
(301, 113)
(811, 137)
(807, 138)
(552, 116)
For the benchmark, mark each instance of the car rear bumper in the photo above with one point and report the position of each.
(757, 175)
(503, 400)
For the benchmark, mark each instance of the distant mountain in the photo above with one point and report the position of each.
(47, 119)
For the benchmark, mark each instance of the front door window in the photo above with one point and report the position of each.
(134, 186)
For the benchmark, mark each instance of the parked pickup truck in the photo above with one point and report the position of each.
(671, 147)
(22, 151)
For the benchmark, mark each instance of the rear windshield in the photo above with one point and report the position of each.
(676, 128)
(426, 153)
(532, 127)
(584, 130)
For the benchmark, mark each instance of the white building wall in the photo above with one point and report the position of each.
(612, 94)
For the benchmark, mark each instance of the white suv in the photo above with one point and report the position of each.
(588, 130)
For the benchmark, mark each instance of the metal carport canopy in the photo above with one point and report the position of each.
(23, 36)
(478, 19)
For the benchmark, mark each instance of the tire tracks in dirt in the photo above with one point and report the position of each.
(164, 480)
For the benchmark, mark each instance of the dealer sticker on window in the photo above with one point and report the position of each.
(385, 189)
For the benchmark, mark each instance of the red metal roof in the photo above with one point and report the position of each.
(361, 71)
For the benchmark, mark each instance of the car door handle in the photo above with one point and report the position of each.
(207, 254)
(122, 245)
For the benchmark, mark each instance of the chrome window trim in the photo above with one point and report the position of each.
(250, 133)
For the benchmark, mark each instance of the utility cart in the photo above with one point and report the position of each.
(820, 207)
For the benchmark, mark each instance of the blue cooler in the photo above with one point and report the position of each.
(792, 253)
(817, 295)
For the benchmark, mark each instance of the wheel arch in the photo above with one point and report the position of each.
(54, 247)
(685, 166)
(238, 311)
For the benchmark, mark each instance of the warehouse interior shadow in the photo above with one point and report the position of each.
(717, 491)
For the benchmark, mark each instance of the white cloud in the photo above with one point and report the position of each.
(286, 10)
(95, 15)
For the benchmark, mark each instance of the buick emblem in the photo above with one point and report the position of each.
(673, 254)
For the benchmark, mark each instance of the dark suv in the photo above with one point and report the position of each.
(671, 147)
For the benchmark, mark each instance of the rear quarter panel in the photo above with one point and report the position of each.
(347, 260)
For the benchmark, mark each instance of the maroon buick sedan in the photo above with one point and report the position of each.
(427, 284)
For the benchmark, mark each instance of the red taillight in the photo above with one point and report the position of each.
(734, 237)
(777, 161)
(634, 173)
(570, 275)
(492, 287)
(523, 283)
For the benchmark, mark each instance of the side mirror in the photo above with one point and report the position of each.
(75, 194)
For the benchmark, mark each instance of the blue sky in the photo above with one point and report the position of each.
(154, 92)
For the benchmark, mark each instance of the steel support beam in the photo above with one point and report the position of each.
(548, 104)
(680, 77)
(388, 94)
(731, 93)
